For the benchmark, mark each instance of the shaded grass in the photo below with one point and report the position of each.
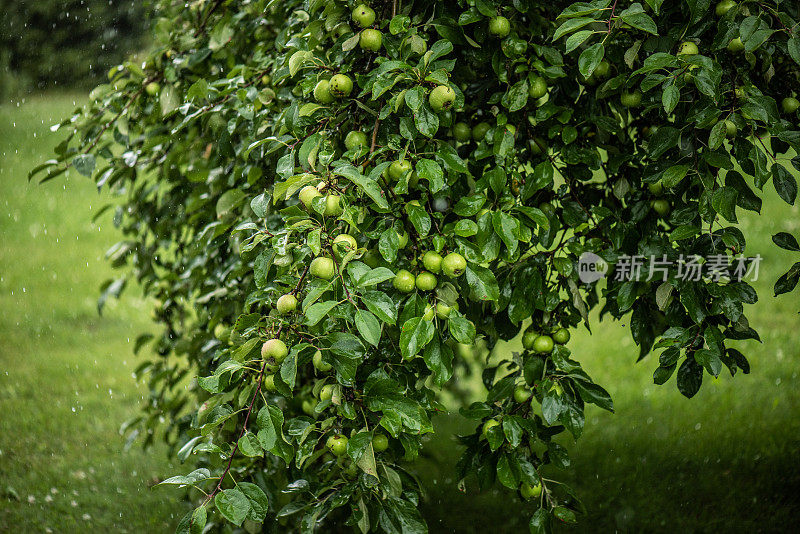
(65, 375)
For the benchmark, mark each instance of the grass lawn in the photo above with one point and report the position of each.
(724, 461)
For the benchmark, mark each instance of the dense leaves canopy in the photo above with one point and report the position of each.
(495, 144)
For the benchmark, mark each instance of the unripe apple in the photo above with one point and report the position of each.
(275, 349)
(363, 15)
(429, 313)
(340, 85)
(499, 26)
(398, 169)
(307, 195)
(286, 304)
(528, 338)
(656, 188)
(688, 48)
(661, 207)
(308, 407)
(269, 384)
(322, 267)
(527, 491)
(322, 93)
(479, 130)
(152, 88)
(561, 336)
(342, 244)
(426, 282)
(522, 394)
(602, 70)
(736, 45)
(443, 310)
(432, 261)
(320, 365)
(404, 281)
(491, 423)
(543, 344)
(730, 128)
(441, 98)
(371, 258)
(402, 239)
(326, 393)
(723, 7)
(380, 442)
(462, 132)
(454, 264)
(538, 87)
(631, 99)
(790, 104)
(333, 206)
(355, 139)
(370, 40)
(338, 445)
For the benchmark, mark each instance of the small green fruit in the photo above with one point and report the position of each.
(355, 139)
(499, 26)
(631, 100)
(441, 98)
(342, 244)
(322, 267)
(543, 344)
(380, 442)
(429, 312)
(723, 7)
(402, 239)
(602, 70)
(286, 304)
(275, 349)
(661, 207)
(443, 310)
(404, 281)
(479, 130)
(322, 93)
(790, 104)
(398, 169)
(730, 128)
(688, 48)
(522, 394)
(370, 40)
(528, 338)
(319, 365)
(491, 423)
(426, 281)
(269, 384)
(736, 45)
(308, 194)
(462, 132)
(338, 445)
(326, 393)
(363, 15)
(561, 336)
(308, 407)
(371, 258)
(454, 265)
(333, 206)
(432, 261)
(152, 88)
(340, 85)
(528, 492)
(656, 188)
(538, 87)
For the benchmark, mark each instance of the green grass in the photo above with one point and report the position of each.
(723, 461)
(65, 373)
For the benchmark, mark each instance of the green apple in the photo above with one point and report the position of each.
(429, 313)
(736, 45)
(661, 207)
(443, 310)
(286, 304)
(538, 87)
(441, 98)
(342, 244)
(370, 40)
(338, 445)
(499, 26)
(308, 407)
(380, 442)
(363, 15)
(333, 206)
(432, 261)
(274, 349)
(543, 344)
(355, 139)
(319, 365)
(723, 7)
(602, 70)
(426, 281)
(398, 169)
(322, 93)
(656, 188)
(340, 85)
(372, 258)
(561, 336)
(152, 88)
(322, 267)
(528, 338)
(790, 104)
(269, 384)
(462, 132)
(454, 265)
(491, 423)
(730, 128)
(308, 194)
(402, 239)
(527, 491)
(404, 281)
(522, 394)
(688, 48)
(631, 99)
(326, 393)
(479, 130)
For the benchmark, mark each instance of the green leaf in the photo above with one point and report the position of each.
(577, 39)
(594, 394)
(316, 312)
(674, 175)
(690, 377)
(786, 241)
(259, 503)
(414, 335)
(724, 202)
(517, 96)
(368, 326)
(636, 17)
(590, 59)
(429, 170)
(482, 282)
(461, 328)
(785, 183)
(233, 505)
(84, 164)
(369, 186)
(381, 305)
(670, 98)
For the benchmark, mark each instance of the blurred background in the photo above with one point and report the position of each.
(725, 461)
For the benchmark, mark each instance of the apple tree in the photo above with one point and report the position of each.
(327, 200)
